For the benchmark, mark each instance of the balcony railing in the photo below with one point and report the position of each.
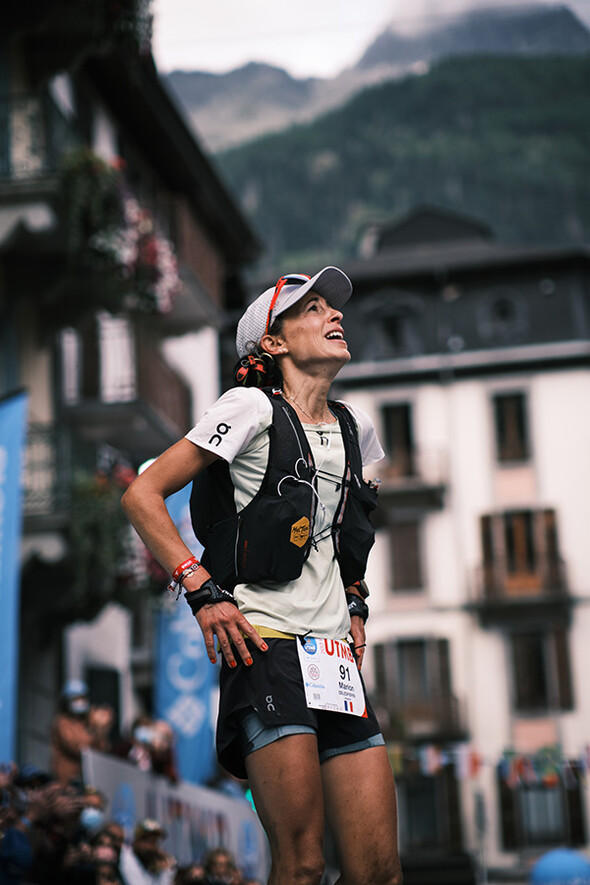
(34, 135)
(160, 386)
(419, 478)
(118, 387)
(52, 455)
(500, 596)
(496, 584)
(429, 718)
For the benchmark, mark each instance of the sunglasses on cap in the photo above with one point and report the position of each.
(291, 279)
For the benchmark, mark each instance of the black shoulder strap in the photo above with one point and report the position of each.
(350, 436)
(290, 450)
(212, 497)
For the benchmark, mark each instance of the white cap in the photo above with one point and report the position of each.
(331, 283)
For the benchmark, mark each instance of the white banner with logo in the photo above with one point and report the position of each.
(196, 819)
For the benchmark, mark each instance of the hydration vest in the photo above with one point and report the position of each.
(271, 538)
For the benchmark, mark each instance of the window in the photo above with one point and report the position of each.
(512, 437)
(539, 815)
(520, 553)
(542, 814)
(405, 555)
(541, 670)
(413, 690)
(419, 823)
(399, 439)
(411, 671)
(519, 543)
(430, 814)
(413, 675)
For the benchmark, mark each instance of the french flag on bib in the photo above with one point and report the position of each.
(348, 706)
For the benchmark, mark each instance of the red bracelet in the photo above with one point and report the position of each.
(184, 565)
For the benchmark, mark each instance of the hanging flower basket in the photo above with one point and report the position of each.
(116, 257)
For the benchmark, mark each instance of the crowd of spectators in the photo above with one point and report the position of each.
(53, 833)
(54, 829)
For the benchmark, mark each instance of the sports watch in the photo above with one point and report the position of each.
(357, 606)
(208, 593)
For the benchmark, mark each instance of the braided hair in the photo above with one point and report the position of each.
(259, 368)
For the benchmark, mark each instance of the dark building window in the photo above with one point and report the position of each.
(410, 671)
(519, 542)
(512, 435)
(520, 553)
(405, 555)
(539, 815)
(419, 825)
(430, 813)
(399, 439)
(541, 671)
(413, 670)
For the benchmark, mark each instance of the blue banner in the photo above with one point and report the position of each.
(13, 416)
(185, 679)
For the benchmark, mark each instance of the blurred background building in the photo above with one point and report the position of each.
(473, 360)
(120, 249)
(125, 260)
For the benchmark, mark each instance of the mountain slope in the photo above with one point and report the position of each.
(506, 139)
(527, 30)
(230, 109)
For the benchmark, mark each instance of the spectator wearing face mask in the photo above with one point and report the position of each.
(135, 747)
(16, 853)
(145, 862)
(76, 727)
(116, 834)
(150, 746)
(220, 868)
(193, 874)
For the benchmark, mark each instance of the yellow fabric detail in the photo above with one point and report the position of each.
(300, 532)
(270, 633)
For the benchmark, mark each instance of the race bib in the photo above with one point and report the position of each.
(330, 676)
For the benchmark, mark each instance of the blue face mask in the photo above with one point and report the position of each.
(79, 705)
(92, 819)
(143, 734)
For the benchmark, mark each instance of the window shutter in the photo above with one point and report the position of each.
(562, 666)
(399, 438)
(511, 838)
(552, 550)
(405, 550)
(487, 546)
(575, 810)
(380, 675)
(454, 825)
(444, 667)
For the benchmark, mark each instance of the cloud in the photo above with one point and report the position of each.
(307, 38)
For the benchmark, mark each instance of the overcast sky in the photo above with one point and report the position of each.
(305, 37)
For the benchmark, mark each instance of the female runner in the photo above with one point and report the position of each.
(305, 762)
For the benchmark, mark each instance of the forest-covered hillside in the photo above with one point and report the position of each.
(503, 138)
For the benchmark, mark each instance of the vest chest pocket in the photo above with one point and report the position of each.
(356, 535)
(273, 542)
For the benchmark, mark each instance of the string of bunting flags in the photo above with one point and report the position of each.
(547, 766)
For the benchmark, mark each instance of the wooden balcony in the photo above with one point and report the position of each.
(437, 717)
(118, 388)
(34, 136)
(417, 481)
(503, 598)
(52, 457)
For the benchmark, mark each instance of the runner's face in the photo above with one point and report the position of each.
(312, 332)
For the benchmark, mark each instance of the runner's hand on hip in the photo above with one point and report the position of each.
(357, 632)
(222, 619)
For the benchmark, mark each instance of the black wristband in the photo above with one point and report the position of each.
(362, 588)
(209, 592)
(357, 606)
